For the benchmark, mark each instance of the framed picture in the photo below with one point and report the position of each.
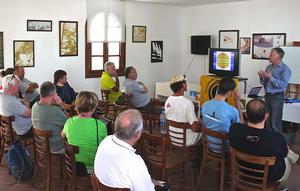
(1, 51)
(39, 25)
(24, 53)
(245, 44)
(68, 38)
(156, 51)
(229, 39)
(262, 44)
(138, 33)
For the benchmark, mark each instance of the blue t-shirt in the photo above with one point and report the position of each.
(218, 116)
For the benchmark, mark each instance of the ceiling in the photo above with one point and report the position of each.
(186, 2)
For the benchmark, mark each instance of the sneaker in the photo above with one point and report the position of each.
(286, 189)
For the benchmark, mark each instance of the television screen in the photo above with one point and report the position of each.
(224, 62)
(200, 44)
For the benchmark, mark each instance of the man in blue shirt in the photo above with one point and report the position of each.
(217, 114)
(275, 81)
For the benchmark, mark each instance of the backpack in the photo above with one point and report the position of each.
(19, 162)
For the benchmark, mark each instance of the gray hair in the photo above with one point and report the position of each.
(8, 80)
(46, 89)
(279, 51)
(107, 64)
(128, 123)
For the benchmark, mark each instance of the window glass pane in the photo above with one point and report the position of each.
(113, 48)
(97, 48)
(97, 63)
(116, 60)
(114, 34)
(97, 28)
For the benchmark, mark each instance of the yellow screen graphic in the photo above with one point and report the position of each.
(223, 60)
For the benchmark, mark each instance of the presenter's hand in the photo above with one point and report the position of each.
(261, 74)
(268, 74)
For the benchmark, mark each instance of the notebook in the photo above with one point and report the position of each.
(254, 92)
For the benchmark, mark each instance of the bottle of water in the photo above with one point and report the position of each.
(162, 123)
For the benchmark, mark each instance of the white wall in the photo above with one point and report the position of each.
(256, 16)
(14, 14)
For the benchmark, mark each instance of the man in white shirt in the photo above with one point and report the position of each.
(116, 164)
(180, 109)
(10, 105)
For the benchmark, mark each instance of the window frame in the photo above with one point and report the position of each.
(89, 73)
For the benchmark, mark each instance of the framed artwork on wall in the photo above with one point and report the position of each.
(1, 51)
(138, 33)
(156, 51)
(39, 25)
(262, 44)
(245, 44)
(24, 53)
(68, 38)
(229, 39)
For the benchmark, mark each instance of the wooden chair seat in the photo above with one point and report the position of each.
(242, 173)
(98, 186)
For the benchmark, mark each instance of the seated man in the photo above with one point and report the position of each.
(254, 139)
(180, 109)
(47, 114)
(10, 105)
(107, 83)
(217, 114)
(140, 98)
(27, 88)
(123, 168)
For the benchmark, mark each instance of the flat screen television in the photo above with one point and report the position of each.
(224, 62)
(200, 44)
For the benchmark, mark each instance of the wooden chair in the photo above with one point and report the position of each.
(178, 138)
(72, 182)
(242, 173)
(98, 186)
(102, 108)
(118, 109)
(156, 153)
(214, 140)
(151, 122)
(44, 156)
(104, 94)
(8, 136)
(157, 105)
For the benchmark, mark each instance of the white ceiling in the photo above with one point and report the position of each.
(186, 2)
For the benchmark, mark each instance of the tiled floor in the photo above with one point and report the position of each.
(178, 182)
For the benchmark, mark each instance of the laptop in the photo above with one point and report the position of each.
(254, 92)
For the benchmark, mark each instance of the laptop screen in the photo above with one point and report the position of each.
(254, 91)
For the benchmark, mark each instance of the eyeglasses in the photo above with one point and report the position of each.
(10, 80)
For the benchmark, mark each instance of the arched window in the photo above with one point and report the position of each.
(105, 44)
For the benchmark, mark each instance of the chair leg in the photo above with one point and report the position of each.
(222, 171)
(61, 166)
(48, 178)
(203, 165)
(36, 168)
(2, 150)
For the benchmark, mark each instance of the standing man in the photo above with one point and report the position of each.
(27, 88)
(107, 83)
(275, 81)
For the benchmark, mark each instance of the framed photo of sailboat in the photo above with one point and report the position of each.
(156, 51)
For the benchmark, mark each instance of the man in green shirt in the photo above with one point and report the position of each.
(107, 83)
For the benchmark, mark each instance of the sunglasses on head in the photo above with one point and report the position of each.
(10, 80)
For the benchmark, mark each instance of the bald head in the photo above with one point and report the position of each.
(128, 123)
(256, 110)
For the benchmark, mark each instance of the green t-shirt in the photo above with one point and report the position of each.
(107, 83)
(82, 132)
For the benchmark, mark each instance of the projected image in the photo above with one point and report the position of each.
(223, 61)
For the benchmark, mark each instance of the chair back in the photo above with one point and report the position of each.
(42, 147)
(102, 108)
(214, 143)
(104, 94)
(98, 186)
(157, 105)
(250, 172)
(151, 122)
(70, 162)
(7, 132)
(118, 109)
(178, 133)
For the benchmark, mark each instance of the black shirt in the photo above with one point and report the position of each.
(260, 142)
(66, 93)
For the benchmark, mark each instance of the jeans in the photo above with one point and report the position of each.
(274, 103)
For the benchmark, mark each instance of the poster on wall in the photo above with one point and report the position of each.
(68, 38)
(262, 44)
(229, 39)
(24, 53)
(1, 51)
(245, 45)
(156, 51)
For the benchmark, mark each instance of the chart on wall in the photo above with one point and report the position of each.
(156, 51)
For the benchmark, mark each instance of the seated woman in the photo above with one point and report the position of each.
(63, 89)
(84, 131)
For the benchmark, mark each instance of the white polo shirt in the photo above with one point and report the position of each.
(181, 109)
(117, 165)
